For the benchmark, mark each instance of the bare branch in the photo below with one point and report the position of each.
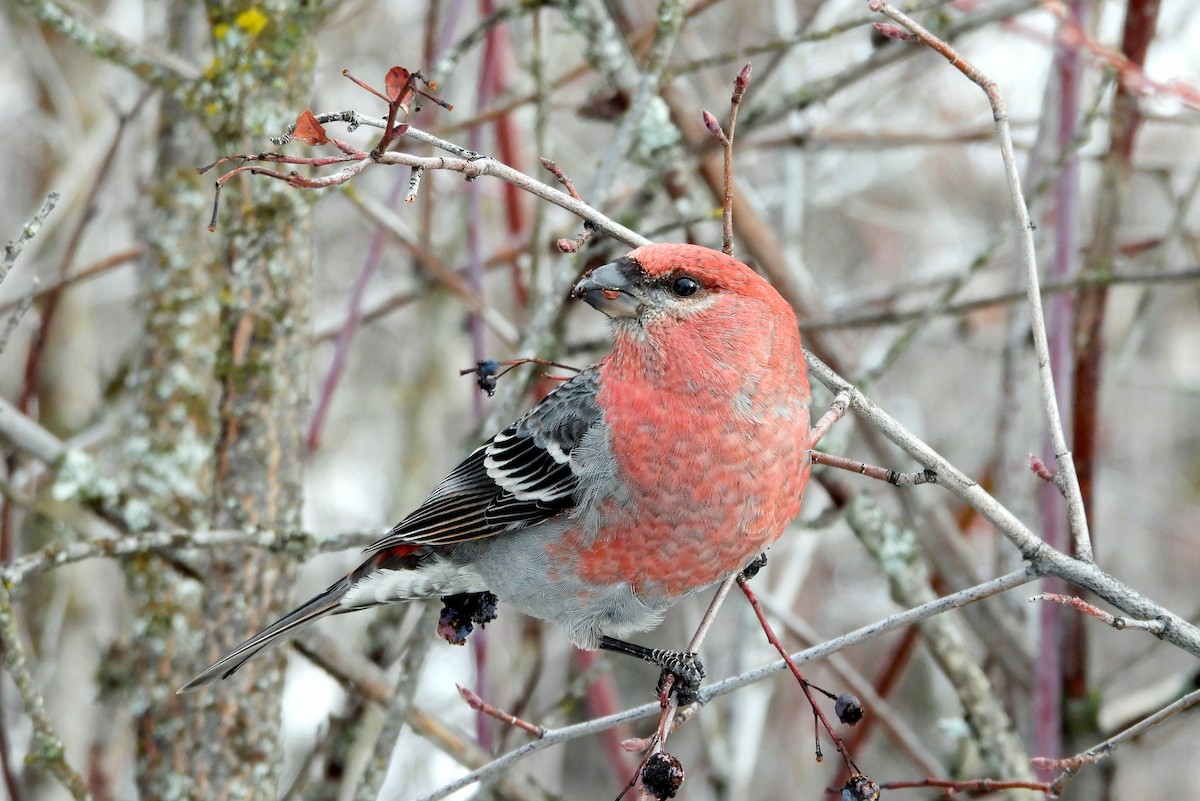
(1118, 623)
(28, 232)
(587, 728)
(1042, 558)
(156, 68)
(1076, 513)
(47, 750)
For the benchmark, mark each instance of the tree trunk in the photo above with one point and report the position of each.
(221, 403)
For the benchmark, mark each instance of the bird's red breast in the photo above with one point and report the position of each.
(707, 412)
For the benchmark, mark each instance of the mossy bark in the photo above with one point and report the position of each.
(221, 399)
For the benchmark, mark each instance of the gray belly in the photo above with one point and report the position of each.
(515, 566)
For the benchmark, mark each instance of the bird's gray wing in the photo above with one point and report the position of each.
(522, 476)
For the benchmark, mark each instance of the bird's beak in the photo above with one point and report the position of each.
(611, 288)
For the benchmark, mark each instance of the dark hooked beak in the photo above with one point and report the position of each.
(611, 288)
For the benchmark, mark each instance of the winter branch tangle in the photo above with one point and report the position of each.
(401, 90)
(529, 473)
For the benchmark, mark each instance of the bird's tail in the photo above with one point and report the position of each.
(319, 606)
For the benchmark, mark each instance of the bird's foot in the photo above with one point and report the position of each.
(688, 673)
(686, 668)
(751, 570)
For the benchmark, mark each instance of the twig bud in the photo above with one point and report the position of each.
(895, 32)
(741, 82)
(714, 127)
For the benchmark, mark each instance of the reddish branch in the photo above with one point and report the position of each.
(1117, 622)
(804, 684)
(968, 785)
(479, 705)
(1088, 376)
(569, 245)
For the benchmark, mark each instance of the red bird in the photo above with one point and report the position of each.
(651, 475)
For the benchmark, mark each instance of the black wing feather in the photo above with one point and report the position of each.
(521, 476)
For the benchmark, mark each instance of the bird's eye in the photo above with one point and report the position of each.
(685, 285)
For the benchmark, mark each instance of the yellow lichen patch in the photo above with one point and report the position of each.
(252, 21)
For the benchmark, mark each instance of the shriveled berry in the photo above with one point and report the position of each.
(662, 776)
(860, 788)
(461, 612)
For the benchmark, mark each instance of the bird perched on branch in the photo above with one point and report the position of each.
(653, 474)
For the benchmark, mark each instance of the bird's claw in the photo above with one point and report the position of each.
(751, 570)
(687, 672)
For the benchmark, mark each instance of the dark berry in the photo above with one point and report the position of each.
(848, 708)
(662, 775)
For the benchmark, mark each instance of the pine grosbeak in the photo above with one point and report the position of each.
(651, 475)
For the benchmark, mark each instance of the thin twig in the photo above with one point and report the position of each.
(734, 683)
(1072, 765)
(23, 307)
(1182, 275)
(740, 84)
(1076, 513)
(157, 68)
(47, 748)
(59, 554)
(896, 479)
(395, 226)
(882, 711)
(93, 270)
(478, 704)
(1117, 622)
(967, 785)
(28, 232)
(836, 411)
(1042, 558)
(805, 686)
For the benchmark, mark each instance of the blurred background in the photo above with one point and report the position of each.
(297, 371)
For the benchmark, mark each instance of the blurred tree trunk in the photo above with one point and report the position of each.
(221, 395)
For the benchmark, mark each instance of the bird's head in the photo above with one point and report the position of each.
(664, 283)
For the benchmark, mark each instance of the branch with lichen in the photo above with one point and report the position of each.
(47, 750)
(156, 68)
